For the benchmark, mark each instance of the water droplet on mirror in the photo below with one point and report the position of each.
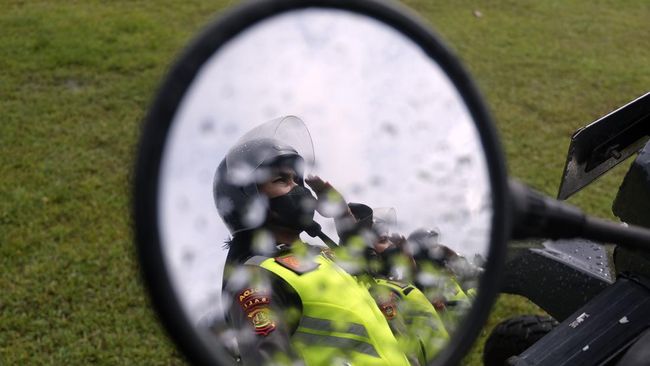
(241, 174)
(188, 256)
(228, 338)
(424, 175)
(263, 243)
(330, 208)
(207, 126)
(225, 205)
(448, 217)
(389, 129)
(375, 181)
(256, 213)
(350, 266)
(464, 161)
(357, 189)
(428, 279)
(246, 335)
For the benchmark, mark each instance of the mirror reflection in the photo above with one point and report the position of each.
(324, 196)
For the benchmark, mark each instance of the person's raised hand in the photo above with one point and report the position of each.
(330, 202)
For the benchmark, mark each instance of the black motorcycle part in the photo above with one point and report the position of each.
(605, 143)
(632, 202)
(513, 336)
(537, 216)
(632, 205)
(632, 261)
(598, 332)
(560, 276)
(639, 353)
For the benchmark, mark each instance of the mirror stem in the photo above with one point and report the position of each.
(537, 216)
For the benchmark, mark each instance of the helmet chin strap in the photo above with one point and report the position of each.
(314, 230)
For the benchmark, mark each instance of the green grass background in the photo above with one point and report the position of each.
(76, 78)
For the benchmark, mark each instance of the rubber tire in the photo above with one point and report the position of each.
(513, 336)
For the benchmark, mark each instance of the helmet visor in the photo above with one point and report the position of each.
(282, 137)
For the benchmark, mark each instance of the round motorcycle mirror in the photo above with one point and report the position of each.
(275, 133)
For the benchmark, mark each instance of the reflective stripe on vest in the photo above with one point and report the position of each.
(316, 324)
(345, 344)
(324, 332)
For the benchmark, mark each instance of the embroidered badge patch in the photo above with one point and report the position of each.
(252, 297)
(255, 304)
(389, 310)
(261, 320)
(389, 307)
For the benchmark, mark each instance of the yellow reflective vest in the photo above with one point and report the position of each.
(415, 322)
(340, 321)
(444, 286)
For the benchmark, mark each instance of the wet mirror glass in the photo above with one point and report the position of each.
(324, 195)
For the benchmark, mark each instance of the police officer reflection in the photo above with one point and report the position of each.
(290, 302)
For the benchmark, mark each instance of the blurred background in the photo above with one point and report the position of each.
(76, 79)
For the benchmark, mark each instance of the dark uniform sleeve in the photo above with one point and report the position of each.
(264, 314)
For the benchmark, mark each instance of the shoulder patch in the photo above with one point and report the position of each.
(296, 265)
(255, 304)
(253, 297)
(389, 306)
(262, 321)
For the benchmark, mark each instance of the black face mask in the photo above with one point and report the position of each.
(294, 210)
